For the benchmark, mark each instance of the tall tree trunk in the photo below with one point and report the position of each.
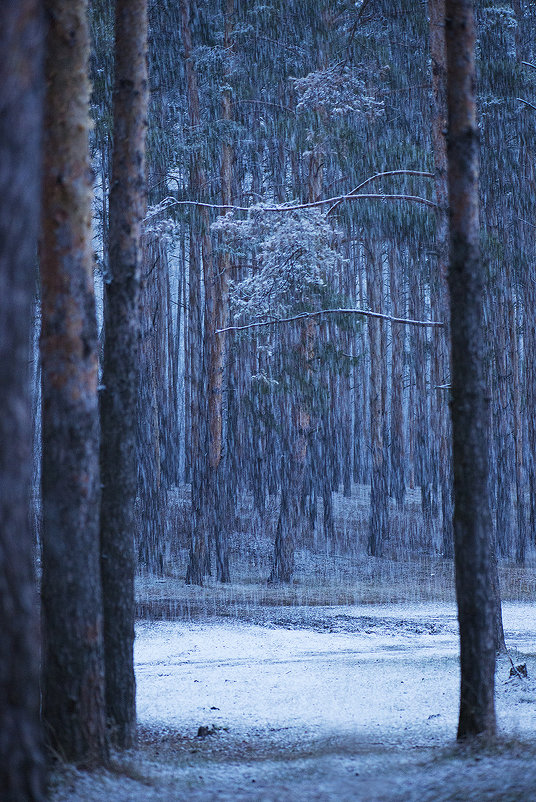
(293, 477)
(73, 684)
(379, 490)
(21, 39)
(290, 522)
(472, 523)
(199, 562)
(121, 366)
(397, 452)
(217, 318)
(439, 285)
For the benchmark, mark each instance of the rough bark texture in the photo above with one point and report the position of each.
(120, 366)
(469, 405)
(73, 684)
(21, 39)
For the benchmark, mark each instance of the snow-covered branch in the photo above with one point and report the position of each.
(312, 205)
(381, 175)
(168, 203)
(319, 313)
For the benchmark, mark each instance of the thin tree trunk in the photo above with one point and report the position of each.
(218, 317)
(472, 523)
(439, 285)
(398, 451)
(22, 775)
(73, 683)
(199, 562)
(121, 367)
(379, 491)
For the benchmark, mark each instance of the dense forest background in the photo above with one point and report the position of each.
(263, 106)
(250, 222)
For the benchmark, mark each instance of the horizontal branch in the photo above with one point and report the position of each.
(299, 206)
(168, 202)
(305, 315)
(382, 175)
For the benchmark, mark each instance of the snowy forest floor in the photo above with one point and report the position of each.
(324, 703)
(341, 686)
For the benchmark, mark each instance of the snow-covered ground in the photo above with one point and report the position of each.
(319, 703)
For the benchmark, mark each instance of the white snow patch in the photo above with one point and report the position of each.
(379, 680)
(366, 711)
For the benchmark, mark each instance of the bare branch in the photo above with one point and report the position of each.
(381, 175)
(299, 206)
(305, 315)
(526, 102)
(529, 64)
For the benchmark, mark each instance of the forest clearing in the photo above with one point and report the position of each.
(341, 686)
(317, 703)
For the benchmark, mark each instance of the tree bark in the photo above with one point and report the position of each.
(22, 775)
(199, 561)
(379, 483)
(217, 293)
(397, 451)
(73, 684)
(121, 366)
(439, 287)
(472, 523)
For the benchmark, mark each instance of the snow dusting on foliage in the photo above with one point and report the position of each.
(337, 90)
(290, 255)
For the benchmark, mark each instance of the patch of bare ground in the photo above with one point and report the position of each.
(169, 766)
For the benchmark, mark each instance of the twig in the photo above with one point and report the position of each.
(305, 315)
(514, 668)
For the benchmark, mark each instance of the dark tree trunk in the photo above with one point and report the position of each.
(469, 410)
(121, 366)
(199, 561)
(73, 684)
(439, 288)
(379, 483)
(291, 521)
(398, 451)
(21, 38)
(217, 294)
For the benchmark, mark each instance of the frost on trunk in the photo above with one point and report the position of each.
(21, 758)
(73, 665)
(121, 366)
(469, 412)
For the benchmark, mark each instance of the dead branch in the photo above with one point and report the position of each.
(305, 315)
